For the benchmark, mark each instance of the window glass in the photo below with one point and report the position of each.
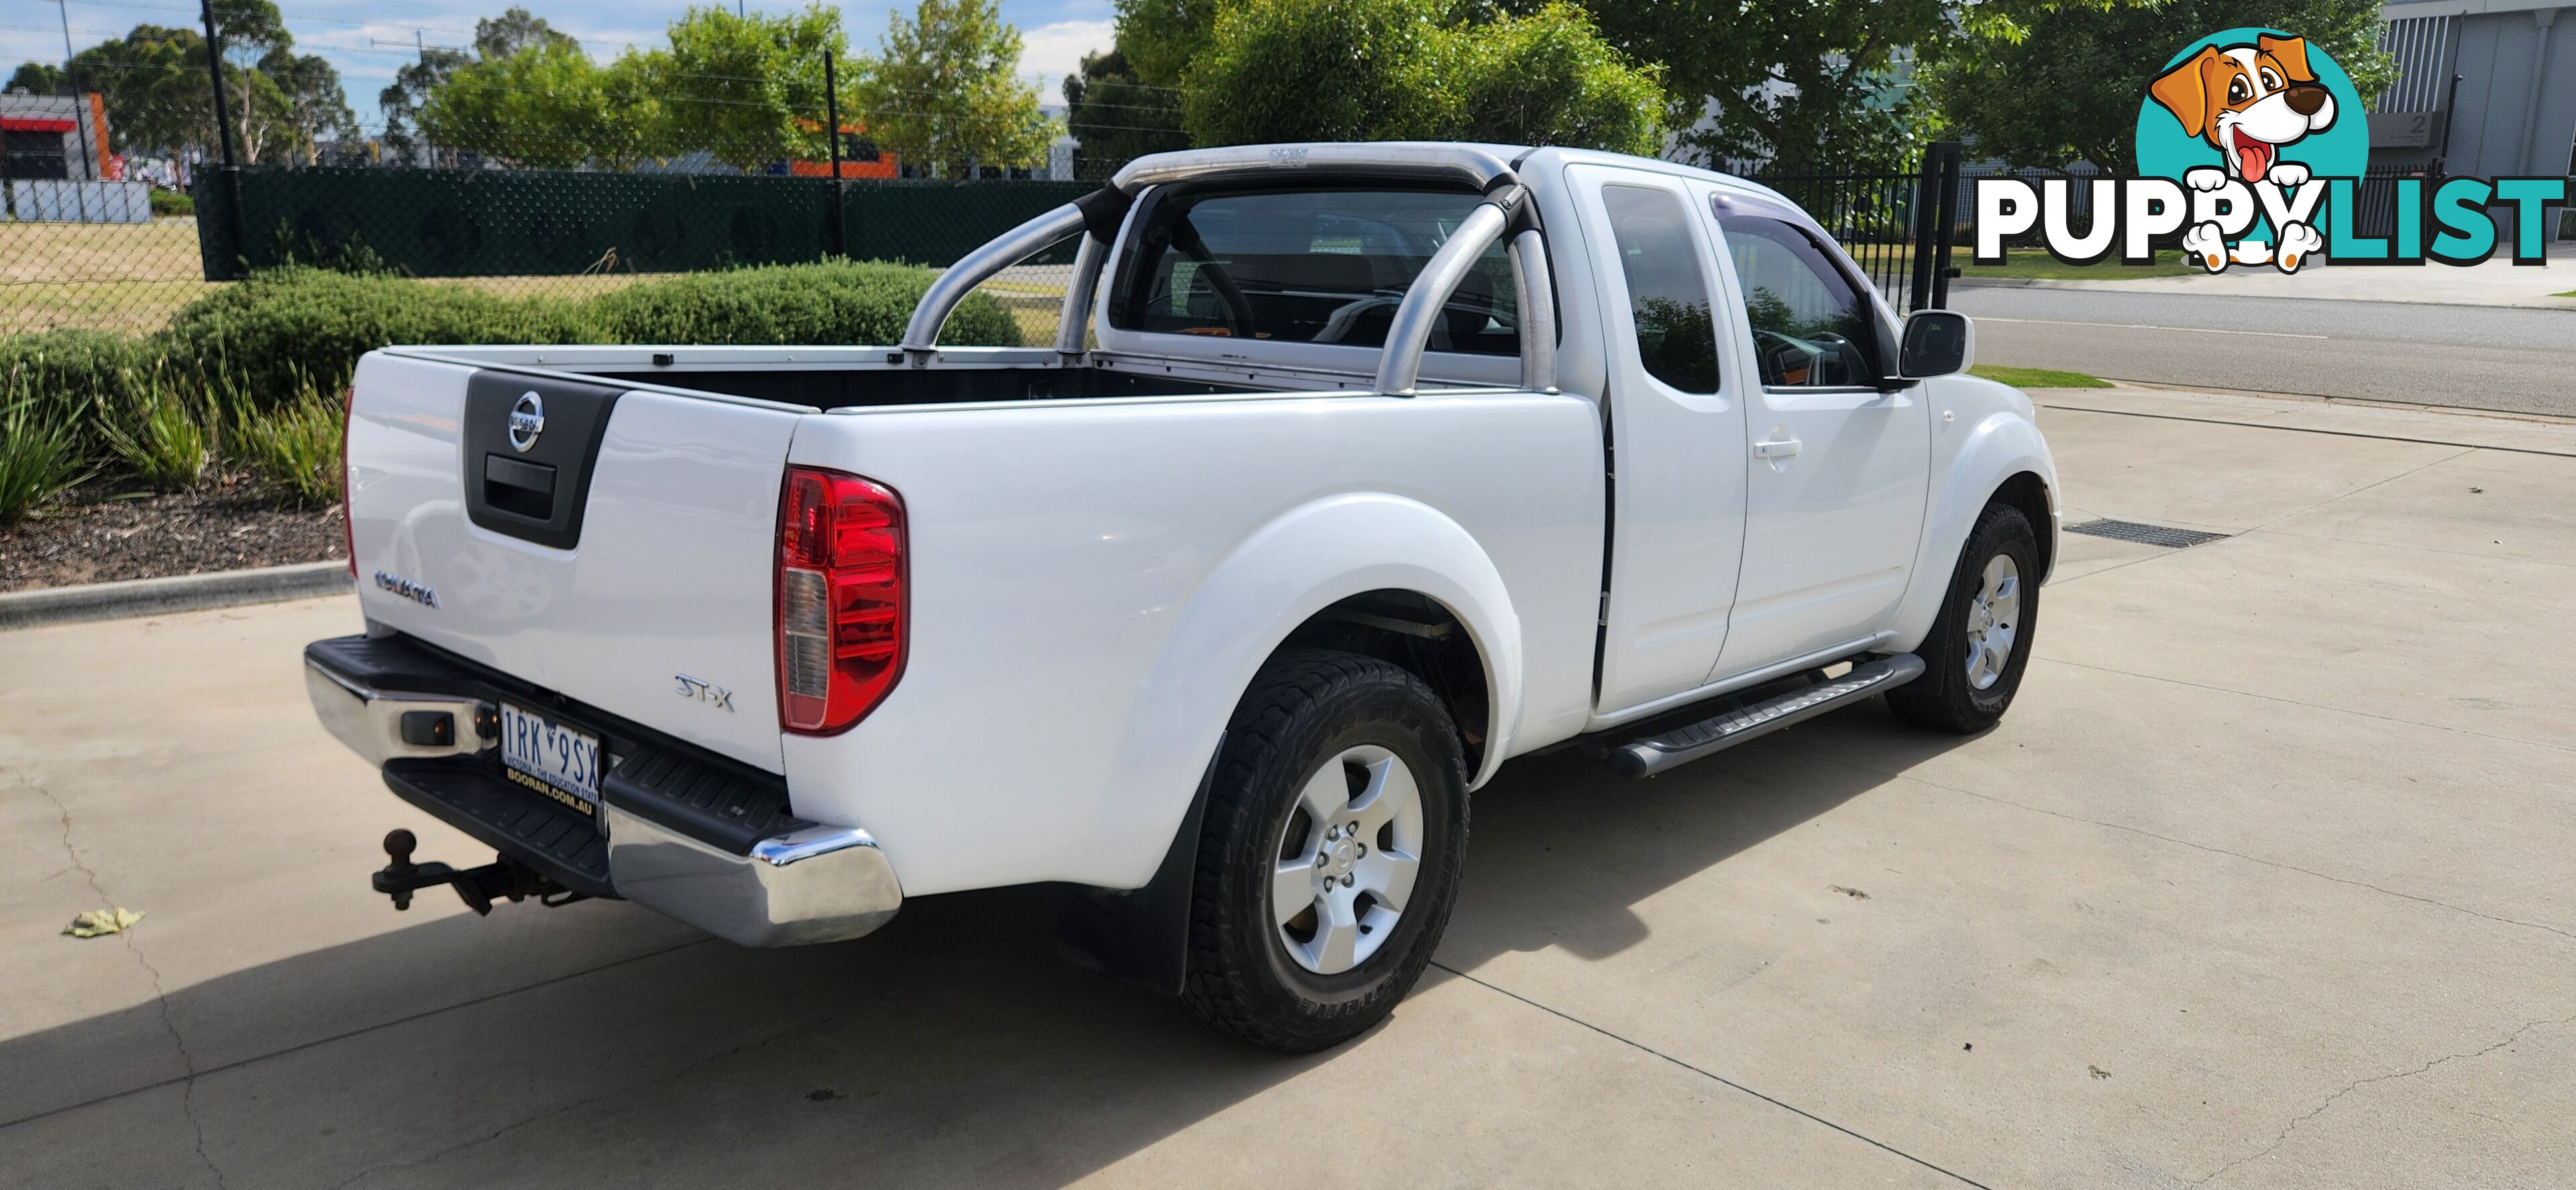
(1811, 326)
(1308, 266)
(1667, 292)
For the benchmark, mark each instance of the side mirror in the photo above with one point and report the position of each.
(1937, 343)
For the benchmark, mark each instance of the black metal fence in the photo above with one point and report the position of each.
(2374, 200)
(1899, 226)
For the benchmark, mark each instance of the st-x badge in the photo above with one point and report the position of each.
(527, 420)
(706, 692)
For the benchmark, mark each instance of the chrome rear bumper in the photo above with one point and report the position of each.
(819, 884)
(814, 883)
(369, 720)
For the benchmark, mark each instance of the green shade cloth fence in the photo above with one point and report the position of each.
(492, 223)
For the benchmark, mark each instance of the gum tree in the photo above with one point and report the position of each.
(748, 89)
(1411, 70)
(945, 90)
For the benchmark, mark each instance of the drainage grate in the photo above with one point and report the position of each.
(2170, 538)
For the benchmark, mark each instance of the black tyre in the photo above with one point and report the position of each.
(1974, 658)
(1330, 858)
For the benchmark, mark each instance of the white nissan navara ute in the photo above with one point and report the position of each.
(1355, 471)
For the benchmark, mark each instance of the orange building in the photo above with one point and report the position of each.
(860, 157)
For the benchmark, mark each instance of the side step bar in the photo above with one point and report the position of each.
(1654, 754)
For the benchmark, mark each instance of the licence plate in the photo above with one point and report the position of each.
(551, 758)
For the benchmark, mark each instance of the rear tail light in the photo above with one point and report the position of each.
(348, 528)
(841, 599)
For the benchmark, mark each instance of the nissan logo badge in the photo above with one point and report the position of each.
(527, 420)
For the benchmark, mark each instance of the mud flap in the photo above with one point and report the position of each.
(1141, 935)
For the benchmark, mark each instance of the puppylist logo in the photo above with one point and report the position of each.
(2251, 148)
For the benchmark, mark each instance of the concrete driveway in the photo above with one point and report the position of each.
(2265, 882)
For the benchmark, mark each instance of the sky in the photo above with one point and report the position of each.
(366, 44)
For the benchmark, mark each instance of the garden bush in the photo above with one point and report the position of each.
(280, 327)
(251, 373)
(61, 375)
(39, 448)
(164, 438)
(843, 302)
(172, 202)
(294, 445)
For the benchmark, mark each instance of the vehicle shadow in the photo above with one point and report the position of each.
(955, 1045)
(1563, 849)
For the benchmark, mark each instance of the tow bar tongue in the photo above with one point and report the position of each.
(477, 887)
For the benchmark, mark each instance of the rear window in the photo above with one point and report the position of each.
(1307, 266)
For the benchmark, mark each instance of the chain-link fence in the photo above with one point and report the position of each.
(142, 187)
(560, 235)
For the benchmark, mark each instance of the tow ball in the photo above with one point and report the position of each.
(477, 887)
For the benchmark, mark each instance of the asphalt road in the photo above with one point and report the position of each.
(2469, 357)
(2262, 885)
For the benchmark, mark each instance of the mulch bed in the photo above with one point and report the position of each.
(98, 536)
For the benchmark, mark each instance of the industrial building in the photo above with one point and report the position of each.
(2488, 89)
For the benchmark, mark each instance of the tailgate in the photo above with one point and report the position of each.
(618, 548)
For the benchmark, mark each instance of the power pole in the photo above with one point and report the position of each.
(832, 132)
(82, 129)
(224, 130)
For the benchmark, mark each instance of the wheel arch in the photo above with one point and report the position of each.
(1377, 574)
(1307, 576)
(2026, 491)
(1422, 636)
(2001, 458)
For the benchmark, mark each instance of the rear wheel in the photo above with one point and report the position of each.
(1973, 660)
(1331, 852)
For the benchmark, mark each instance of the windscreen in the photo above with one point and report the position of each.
(1308, 266)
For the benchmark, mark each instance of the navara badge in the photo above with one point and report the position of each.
(527, 420)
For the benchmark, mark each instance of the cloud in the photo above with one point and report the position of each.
(1055, 50)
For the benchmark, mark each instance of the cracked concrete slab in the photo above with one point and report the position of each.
(2474, 1133)
(2262, 884)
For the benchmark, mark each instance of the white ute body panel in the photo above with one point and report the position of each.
(671, 577)
(1085, 620)
(1094, 581)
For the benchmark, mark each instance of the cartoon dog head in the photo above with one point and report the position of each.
(2247, 100)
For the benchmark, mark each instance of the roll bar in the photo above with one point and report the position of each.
(1506, 211)
(1537, 299)
(921, 335)
(1087, 263)
(1425, 161)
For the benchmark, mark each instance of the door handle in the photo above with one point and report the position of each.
(1778, 448)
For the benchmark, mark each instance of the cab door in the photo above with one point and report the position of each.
(1837, 468)
(1676, 427)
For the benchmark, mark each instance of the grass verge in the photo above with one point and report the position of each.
(2037, 377)
(2030, 264)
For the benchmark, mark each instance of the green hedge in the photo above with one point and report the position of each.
(291, 324)
(806, 304)
(263, 339)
